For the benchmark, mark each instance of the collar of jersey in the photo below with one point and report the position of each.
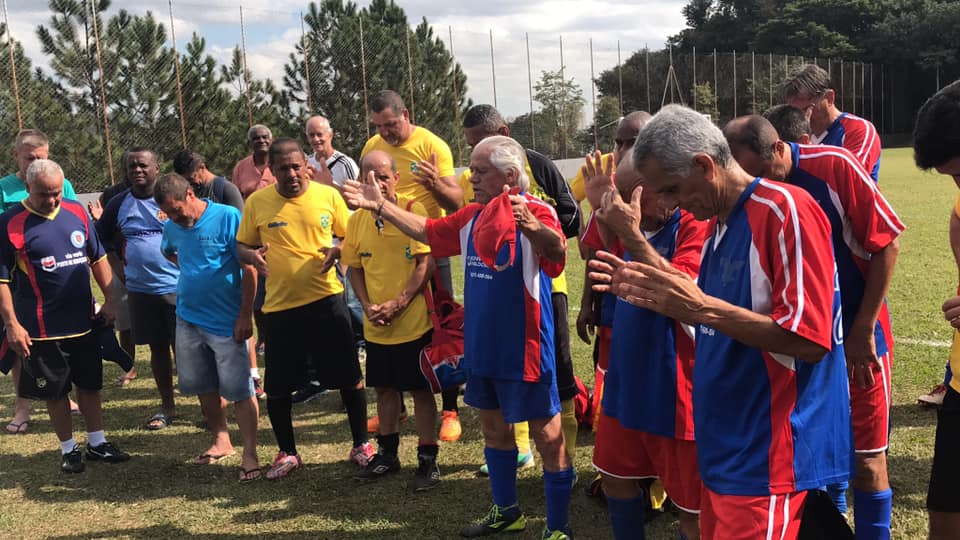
(50, 217)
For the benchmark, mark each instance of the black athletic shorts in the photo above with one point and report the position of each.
(943, 495)
(153, 318)
(397, 366)
(82, 355)
(566, 384)
(318, 332)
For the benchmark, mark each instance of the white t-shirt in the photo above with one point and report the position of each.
(341, 166)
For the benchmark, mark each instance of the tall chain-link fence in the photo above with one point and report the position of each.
(150, 77)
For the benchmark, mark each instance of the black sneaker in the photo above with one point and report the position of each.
(426, 477)
(379, 466)
(106, 452)
(72, 461)
(311, 391)
(497, 520)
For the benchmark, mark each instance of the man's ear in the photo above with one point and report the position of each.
(804, 139)
(830, 95)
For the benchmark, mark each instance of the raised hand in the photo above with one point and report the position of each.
(363, 194)
(597, 177)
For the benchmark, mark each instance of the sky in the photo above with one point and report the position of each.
(272, 29)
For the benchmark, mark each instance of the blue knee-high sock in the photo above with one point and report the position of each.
(626, 517)
(838, 493)
(556, 488)
(871, 514)
(502, 465)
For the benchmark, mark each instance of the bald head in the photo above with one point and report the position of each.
(376, 158)
(627, 130)
(384, 170)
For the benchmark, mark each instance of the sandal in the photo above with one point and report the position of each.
(159, 421)
(249, 475)
(123, 380)
(18, 428)
(209, 459)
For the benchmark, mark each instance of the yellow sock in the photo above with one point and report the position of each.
(657, 495)
(568, 421)
(521, 432)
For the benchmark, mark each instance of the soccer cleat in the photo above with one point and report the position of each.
(308, 393)
(72, 461)
(107, 453)
(426, 477)
(373, 424)
(258, 389)
(524, 461)
(497, 520)
(450, 427)
(283, 465)
(934, 398)
(362, 454)
(378, 466)
(557, 535)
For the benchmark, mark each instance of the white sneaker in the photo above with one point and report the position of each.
(934, 398)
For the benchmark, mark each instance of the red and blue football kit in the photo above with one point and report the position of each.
(770, 425)
(863, 223)
(646, 428)
(860, 137)
(46, 259)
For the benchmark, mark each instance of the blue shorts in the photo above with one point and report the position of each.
(518, 401)
(208, 363)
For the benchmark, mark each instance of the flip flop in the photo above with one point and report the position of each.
(18, 428)
(249, 475)
(123, 380)
(209, 459)
(161, 419)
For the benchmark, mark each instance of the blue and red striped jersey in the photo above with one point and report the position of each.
(860, 137)
(861, 219)
(508, 326)
(768, 423)
(649, 384)
(45, 259)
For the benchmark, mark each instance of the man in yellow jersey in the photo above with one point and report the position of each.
(287, 232)
(935, 147)
(483, 121)
(388, 270)
(425, 164)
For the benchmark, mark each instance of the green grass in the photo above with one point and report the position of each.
(159, 495)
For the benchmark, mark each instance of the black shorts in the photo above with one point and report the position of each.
(397, 366)
(82, 354)
(261, 296)
(153, 318)
(566, 384)
(943, 494)
(318, 332)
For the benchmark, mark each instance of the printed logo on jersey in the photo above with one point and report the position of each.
(325, 221)
(77, 238)
(730, 270)
(48, 263)
(407, 254)
(365, 254)
(275, 224)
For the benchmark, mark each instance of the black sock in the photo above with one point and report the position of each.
(278, 409)
(450, 395)
(389, 444)
(355, 401)
(427, 452)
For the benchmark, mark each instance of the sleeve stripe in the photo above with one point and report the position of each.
(884, 211)
(870, 134)
(795, 314)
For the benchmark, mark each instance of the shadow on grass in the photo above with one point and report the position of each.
(912, 415)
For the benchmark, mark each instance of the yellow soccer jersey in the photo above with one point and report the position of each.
(388, 261)
(421, 144)
(560, 282)
(956, 207)
(577, 186)
(295, 229)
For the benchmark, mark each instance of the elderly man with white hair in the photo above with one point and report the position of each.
(509, 356)
(332, 166)
(48, 249)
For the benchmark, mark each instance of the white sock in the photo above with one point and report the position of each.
(67, 446)
(96, 438)
(255, 372)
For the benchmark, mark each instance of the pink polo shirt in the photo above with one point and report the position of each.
(248, 179)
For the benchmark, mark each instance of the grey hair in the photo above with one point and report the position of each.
(675, 135)
(507, 154)
(810, 80)
(256, 127)
(43, 167)
(323, 122)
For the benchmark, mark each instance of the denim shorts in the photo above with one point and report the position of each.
(208, 363)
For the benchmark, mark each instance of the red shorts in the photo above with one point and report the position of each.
(870, 410)
(628, 453)
(737, 517)
(604, 335)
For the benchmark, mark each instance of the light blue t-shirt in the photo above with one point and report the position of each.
(208, 292)
(133, 228)
(13, 190)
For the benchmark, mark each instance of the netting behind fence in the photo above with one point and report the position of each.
(118, 73)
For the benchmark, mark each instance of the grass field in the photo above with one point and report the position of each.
(158, 494)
